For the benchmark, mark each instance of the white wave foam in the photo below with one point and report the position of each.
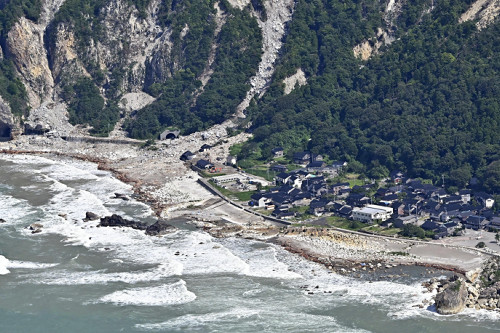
(249, 320)
(3, 265)
(167, 294)
(14, 210)
(6, 263)
(194, 320)
(99, 277)
(261, 261)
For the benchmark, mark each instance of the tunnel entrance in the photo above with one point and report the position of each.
(5, 132)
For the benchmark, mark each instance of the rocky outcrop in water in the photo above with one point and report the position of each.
(118, 221)
(161, 227)
(479, 289)
(452, 300)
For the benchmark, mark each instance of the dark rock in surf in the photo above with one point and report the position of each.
(89, 216)
(161, 227)
(118, 221)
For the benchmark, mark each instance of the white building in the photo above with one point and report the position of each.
(372, 213)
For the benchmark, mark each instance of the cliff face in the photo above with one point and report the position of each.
(8, 126)
(26, 48)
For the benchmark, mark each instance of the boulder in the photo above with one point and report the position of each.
(472, 275)
(452, 300)
(121, 196)
(161, 227)
(118, 221)
(2, 221)
(89, 216)
(35, 226)
(490, 292)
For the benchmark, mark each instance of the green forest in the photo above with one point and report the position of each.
(428, 104)
(181, 101)
(11, 88)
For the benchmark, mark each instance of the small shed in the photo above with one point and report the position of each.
(187, 156)
(204, 164)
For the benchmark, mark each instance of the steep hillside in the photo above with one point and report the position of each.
(427, 104)
(383, 84)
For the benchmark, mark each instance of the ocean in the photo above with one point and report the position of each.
(76, 277)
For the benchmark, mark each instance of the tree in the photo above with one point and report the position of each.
(480, 245)
(410, 230)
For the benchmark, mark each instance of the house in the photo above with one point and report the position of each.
(278, 168)
(397, 176)
(187, 156)
(316, 158)
(282, 178)
(453, 199)
(204, 148)
(357, 199)
(283, 214)
(301, 199)
(204, 164)
(494, 223)
(345, 211)
(430, 225)
(389, 199)
(403, 220)
(372, 213)
(302, 157)
(451, 227)
(398, 208)
(475, 222)
(484, 199)
(259, 200)
(315, 166)
(465, 195)
(318, 207)
(277, 152)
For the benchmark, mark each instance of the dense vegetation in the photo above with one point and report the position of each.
(427, 105)
(181, 101)
(86, 106)
(12, 10)
(11, 88)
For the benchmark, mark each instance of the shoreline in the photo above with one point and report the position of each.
(346, 247)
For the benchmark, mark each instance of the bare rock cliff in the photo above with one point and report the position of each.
(8, 125)
(26, 47)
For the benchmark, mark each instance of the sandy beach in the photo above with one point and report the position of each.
(171, 188)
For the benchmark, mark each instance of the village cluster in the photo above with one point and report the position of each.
(400, 202)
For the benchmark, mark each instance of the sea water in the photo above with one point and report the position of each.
(77, 277)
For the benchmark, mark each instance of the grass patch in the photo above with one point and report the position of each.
(340, 222)
(399, 253)
(262, 172)
(239, 196)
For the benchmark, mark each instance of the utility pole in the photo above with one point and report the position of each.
(443, 179)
